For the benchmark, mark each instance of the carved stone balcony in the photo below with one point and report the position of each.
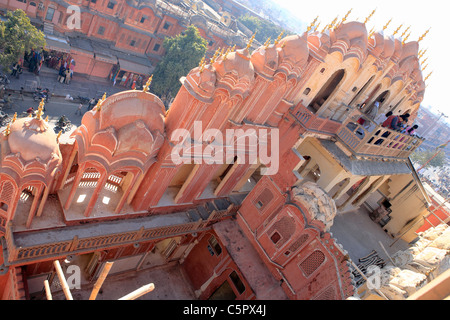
(370, 140)
(375, 140)
(313, 122)
(36, 245)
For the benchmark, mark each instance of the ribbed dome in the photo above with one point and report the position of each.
(126, 107)
(33, 139)
(294, 48)
(389, 46)
(237, 63)
(265, 60)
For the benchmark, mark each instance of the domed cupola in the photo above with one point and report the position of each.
(294, 53)
(126, 128)
(30, 146)
(235, 71)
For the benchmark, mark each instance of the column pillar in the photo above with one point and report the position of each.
(74, 188)
(100, 184)
(34, 205)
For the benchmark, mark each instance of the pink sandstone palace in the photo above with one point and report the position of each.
(112, 192)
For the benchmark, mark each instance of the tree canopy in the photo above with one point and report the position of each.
(264, 29)
(17, 36)
(422, 157)
(183, 53)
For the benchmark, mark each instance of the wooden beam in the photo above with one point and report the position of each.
(48, 293)
(100, 280)
(62, 280)
(139, 292)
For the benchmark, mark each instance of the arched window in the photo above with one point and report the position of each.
(327, 90)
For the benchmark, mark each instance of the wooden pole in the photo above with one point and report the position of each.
(48, 293)
(62, 280)
(100, 280)
(139, 292)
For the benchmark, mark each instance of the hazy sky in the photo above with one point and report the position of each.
(420, 15)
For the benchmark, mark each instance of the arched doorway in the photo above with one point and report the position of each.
(327, 90)
(361, 91)
(381, 99)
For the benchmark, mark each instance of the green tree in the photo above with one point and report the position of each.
(422, 157)
(17, 36)
(264, 29)
(183, 53)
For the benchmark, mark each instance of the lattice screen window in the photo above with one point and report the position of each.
(312, 262)
(282, 230)
(300, 241)
(6, 192)
(328, 294)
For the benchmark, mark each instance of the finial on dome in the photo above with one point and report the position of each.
(387, 24)
(46, 118)
(14, 117)
(278, 38)
(58, 136)
(100, 101)
(423, 69)
(249, 44)
(233, 49)
(317, 27)
(148, 83)
(226, 53)
(398, 29)
(406, 38)
(201, 61)
(331, 25)
(267, 43)
(424, 60)
(404, 32)
(215, 56)
(202, 64)
(312, 24)
(426, 78)
(7, 130)
(370, 16)
(40, 109)
(422, 53)
(372, 31)
(423, 36)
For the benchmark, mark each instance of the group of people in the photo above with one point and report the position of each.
(66, 71)
(34, 59)
(397, 123)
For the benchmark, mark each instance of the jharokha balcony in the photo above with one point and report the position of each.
(368, 140)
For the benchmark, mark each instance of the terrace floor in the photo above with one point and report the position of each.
(359, 235)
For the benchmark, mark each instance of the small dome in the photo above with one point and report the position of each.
(237, 63)
(377, 43)
(33, 139)
(351, 32)
(398, 49)
(127, 107)
(410, 49)
(204, 82)
(389, 46)
(295, 49)
(317, 202)
(265, 60)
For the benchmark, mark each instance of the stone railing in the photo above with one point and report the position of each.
(315, 123)
(24, 254)
(369, 139)
(374, 140)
